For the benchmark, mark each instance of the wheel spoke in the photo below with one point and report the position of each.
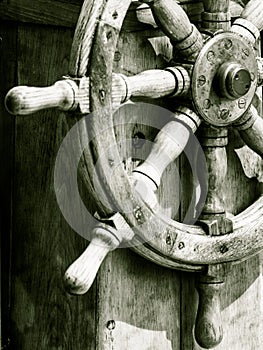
(251, 130)
(253, 12)
(250, 22)
(216, 15)
(175, 23)
(169, 144)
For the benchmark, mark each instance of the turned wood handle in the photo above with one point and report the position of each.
(215, 6)
(67, 94)
(214, 143)
(174, 22)
(168, 145)
(22, 100)
(171, 18)
(156, 83)
(250, 22)
(81, 274)
(216, 15)
(252, 131)
(208, 326)
(253, 12)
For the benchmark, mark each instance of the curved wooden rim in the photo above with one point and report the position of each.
(190, 248)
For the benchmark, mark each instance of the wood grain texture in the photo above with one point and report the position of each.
(86, 26)
(214, 142)
(168, 145)
(23, 100)
(72, 94)
(253, 13)
(146, 315)
(8, 63)
(216, 15)
(60, 13)
(243, 284)
(174, 22)
(65, 13)
(214, 6)
(43, 314)
(141, 315)
(142, 299)
(252, 136)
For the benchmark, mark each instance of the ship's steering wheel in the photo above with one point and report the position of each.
(218, 72)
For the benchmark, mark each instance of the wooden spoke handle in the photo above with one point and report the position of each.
(250, 22)
(169, 144)
(174, 22)
(156, 83)
(81, 274)
(69, 94)
(253, 12)
(208, 326)
(216, 14)
(251, 130)
(23, 100)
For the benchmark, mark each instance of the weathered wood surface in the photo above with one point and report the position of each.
(253, 13)
(69, 94)
(252, 134)
(152, 307)
(65, 13)
(43, 315)
(168, 145)
(8, 64)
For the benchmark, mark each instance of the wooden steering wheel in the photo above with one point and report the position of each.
(217, 74)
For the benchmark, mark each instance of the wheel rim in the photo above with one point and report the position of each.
(193, 238)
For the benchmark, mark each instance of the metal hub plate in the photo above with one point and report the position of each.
(222, 48)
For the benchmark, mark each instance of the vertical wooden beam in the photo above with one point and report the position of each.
(8, 68)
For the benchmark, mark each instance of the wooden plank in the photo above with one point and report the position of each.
(44, 316)
(7, 123)
(65, 13)
(143, 301)
(145, 312)
(59, 13)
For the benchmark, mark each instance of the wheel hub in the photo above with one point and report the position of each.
(224, 79)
